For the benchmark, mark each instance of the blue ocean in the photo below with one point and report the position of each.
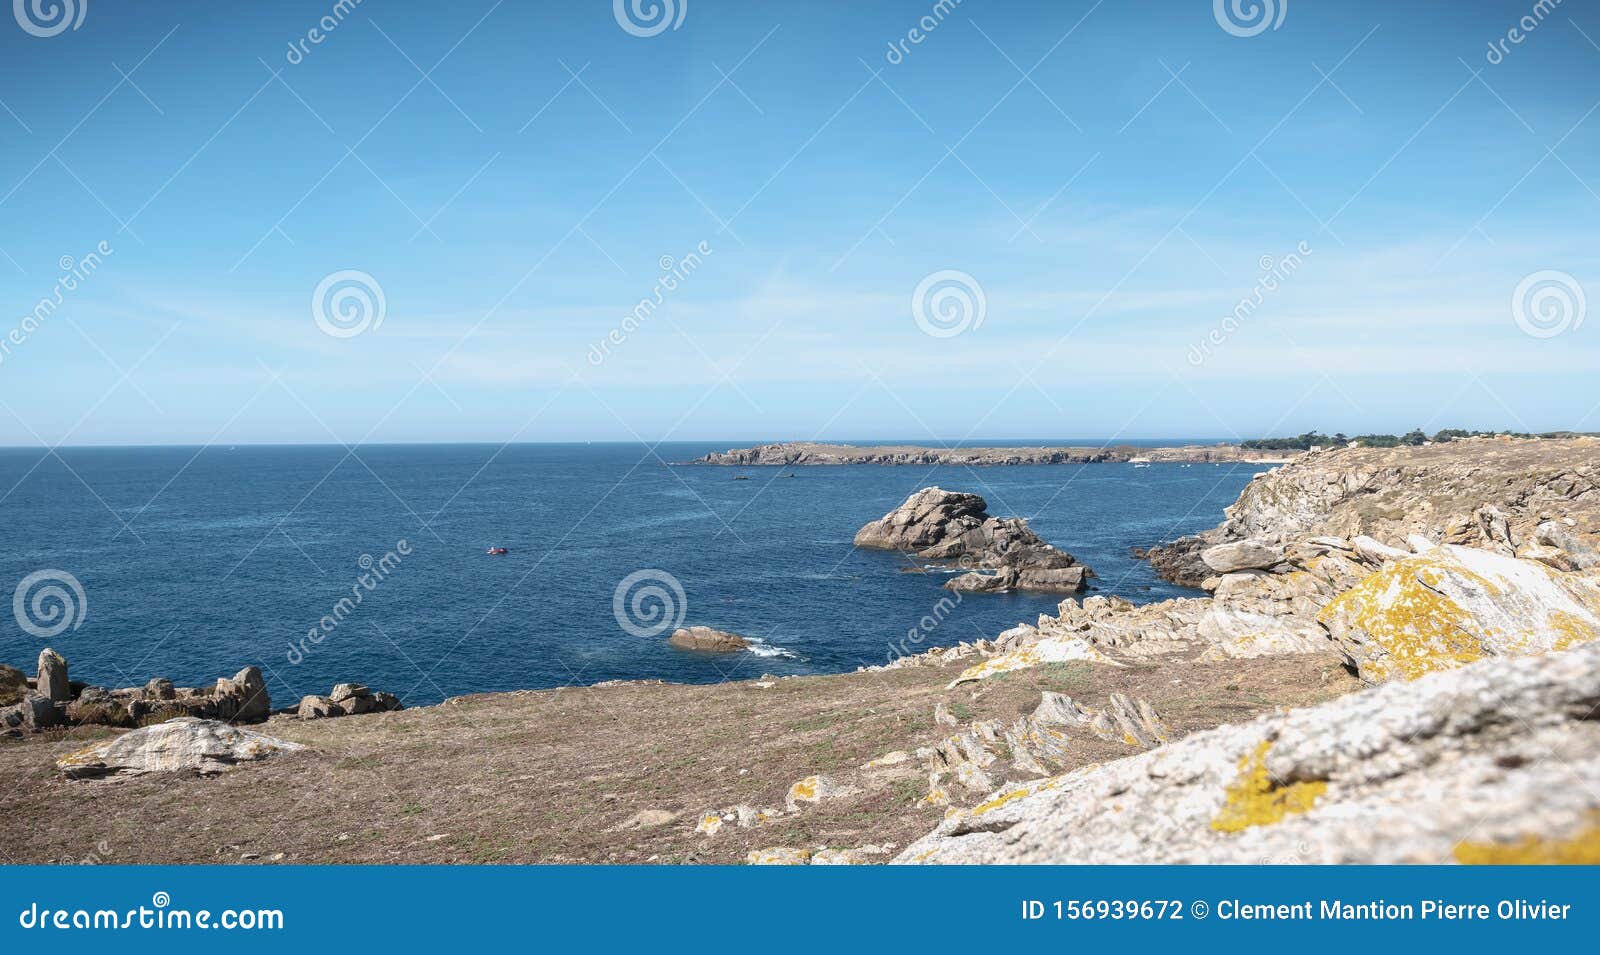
(322, 565)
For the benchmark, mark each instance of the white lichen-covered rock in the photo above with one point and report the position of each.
(814, 789)
(1241, 555)
(1035, 745)
(1495, 762)
(181, 745)
(1453, 605)
(1241, 634)
(1048, 650)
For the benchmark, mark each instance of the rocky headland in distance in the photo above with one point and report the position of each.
(800, 453)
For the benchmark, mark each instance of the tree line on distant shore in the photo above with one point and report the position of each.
(1316, 439)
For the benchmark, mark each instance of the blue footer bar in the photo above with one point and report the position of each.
(733, 908)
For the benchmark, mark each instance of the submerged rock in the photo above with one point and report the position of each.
(183, 744)
(1495, 762)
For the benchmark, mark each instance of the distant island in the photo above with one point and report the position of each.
(796, 453)
(1253, 451)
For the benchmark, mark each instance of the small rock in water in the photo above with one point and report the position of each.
(707, 640)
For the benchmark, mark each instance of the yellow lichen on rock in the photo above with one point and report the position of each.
(1582, 848)
(779, 855)
(1256, 799)
(997, 801)
(1455, 605)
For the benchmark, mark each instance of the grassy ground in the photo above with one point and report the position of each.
(556, 776)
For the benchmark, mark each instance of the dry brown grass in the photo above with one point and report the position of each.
(551, 776)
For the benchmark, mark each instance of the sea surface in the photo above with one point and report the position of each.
(193, 562)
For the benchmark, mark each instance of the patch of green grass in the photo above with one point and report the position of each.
(486, 854)
(818, 722)
(411, 809)
(908, 790)
(1073, 677)
(961, 711)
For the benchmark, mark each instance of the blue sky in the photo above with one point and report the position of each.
(1114, 177)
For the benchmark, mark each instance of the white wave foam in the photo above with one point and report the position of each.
(761, 648)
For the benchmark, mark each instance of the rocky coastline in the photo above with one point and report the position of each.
(803, 453)
(1395, 660)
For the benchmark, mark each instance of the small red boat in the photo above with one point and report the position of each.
(497, 551)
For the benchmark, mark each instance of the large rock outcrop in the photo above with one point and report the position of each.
(1493, 493)
(346, 699)
(181, 745)
(1453, 605)
(241, 698)
(52, 681)
(954, 527)
(1498, 761)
